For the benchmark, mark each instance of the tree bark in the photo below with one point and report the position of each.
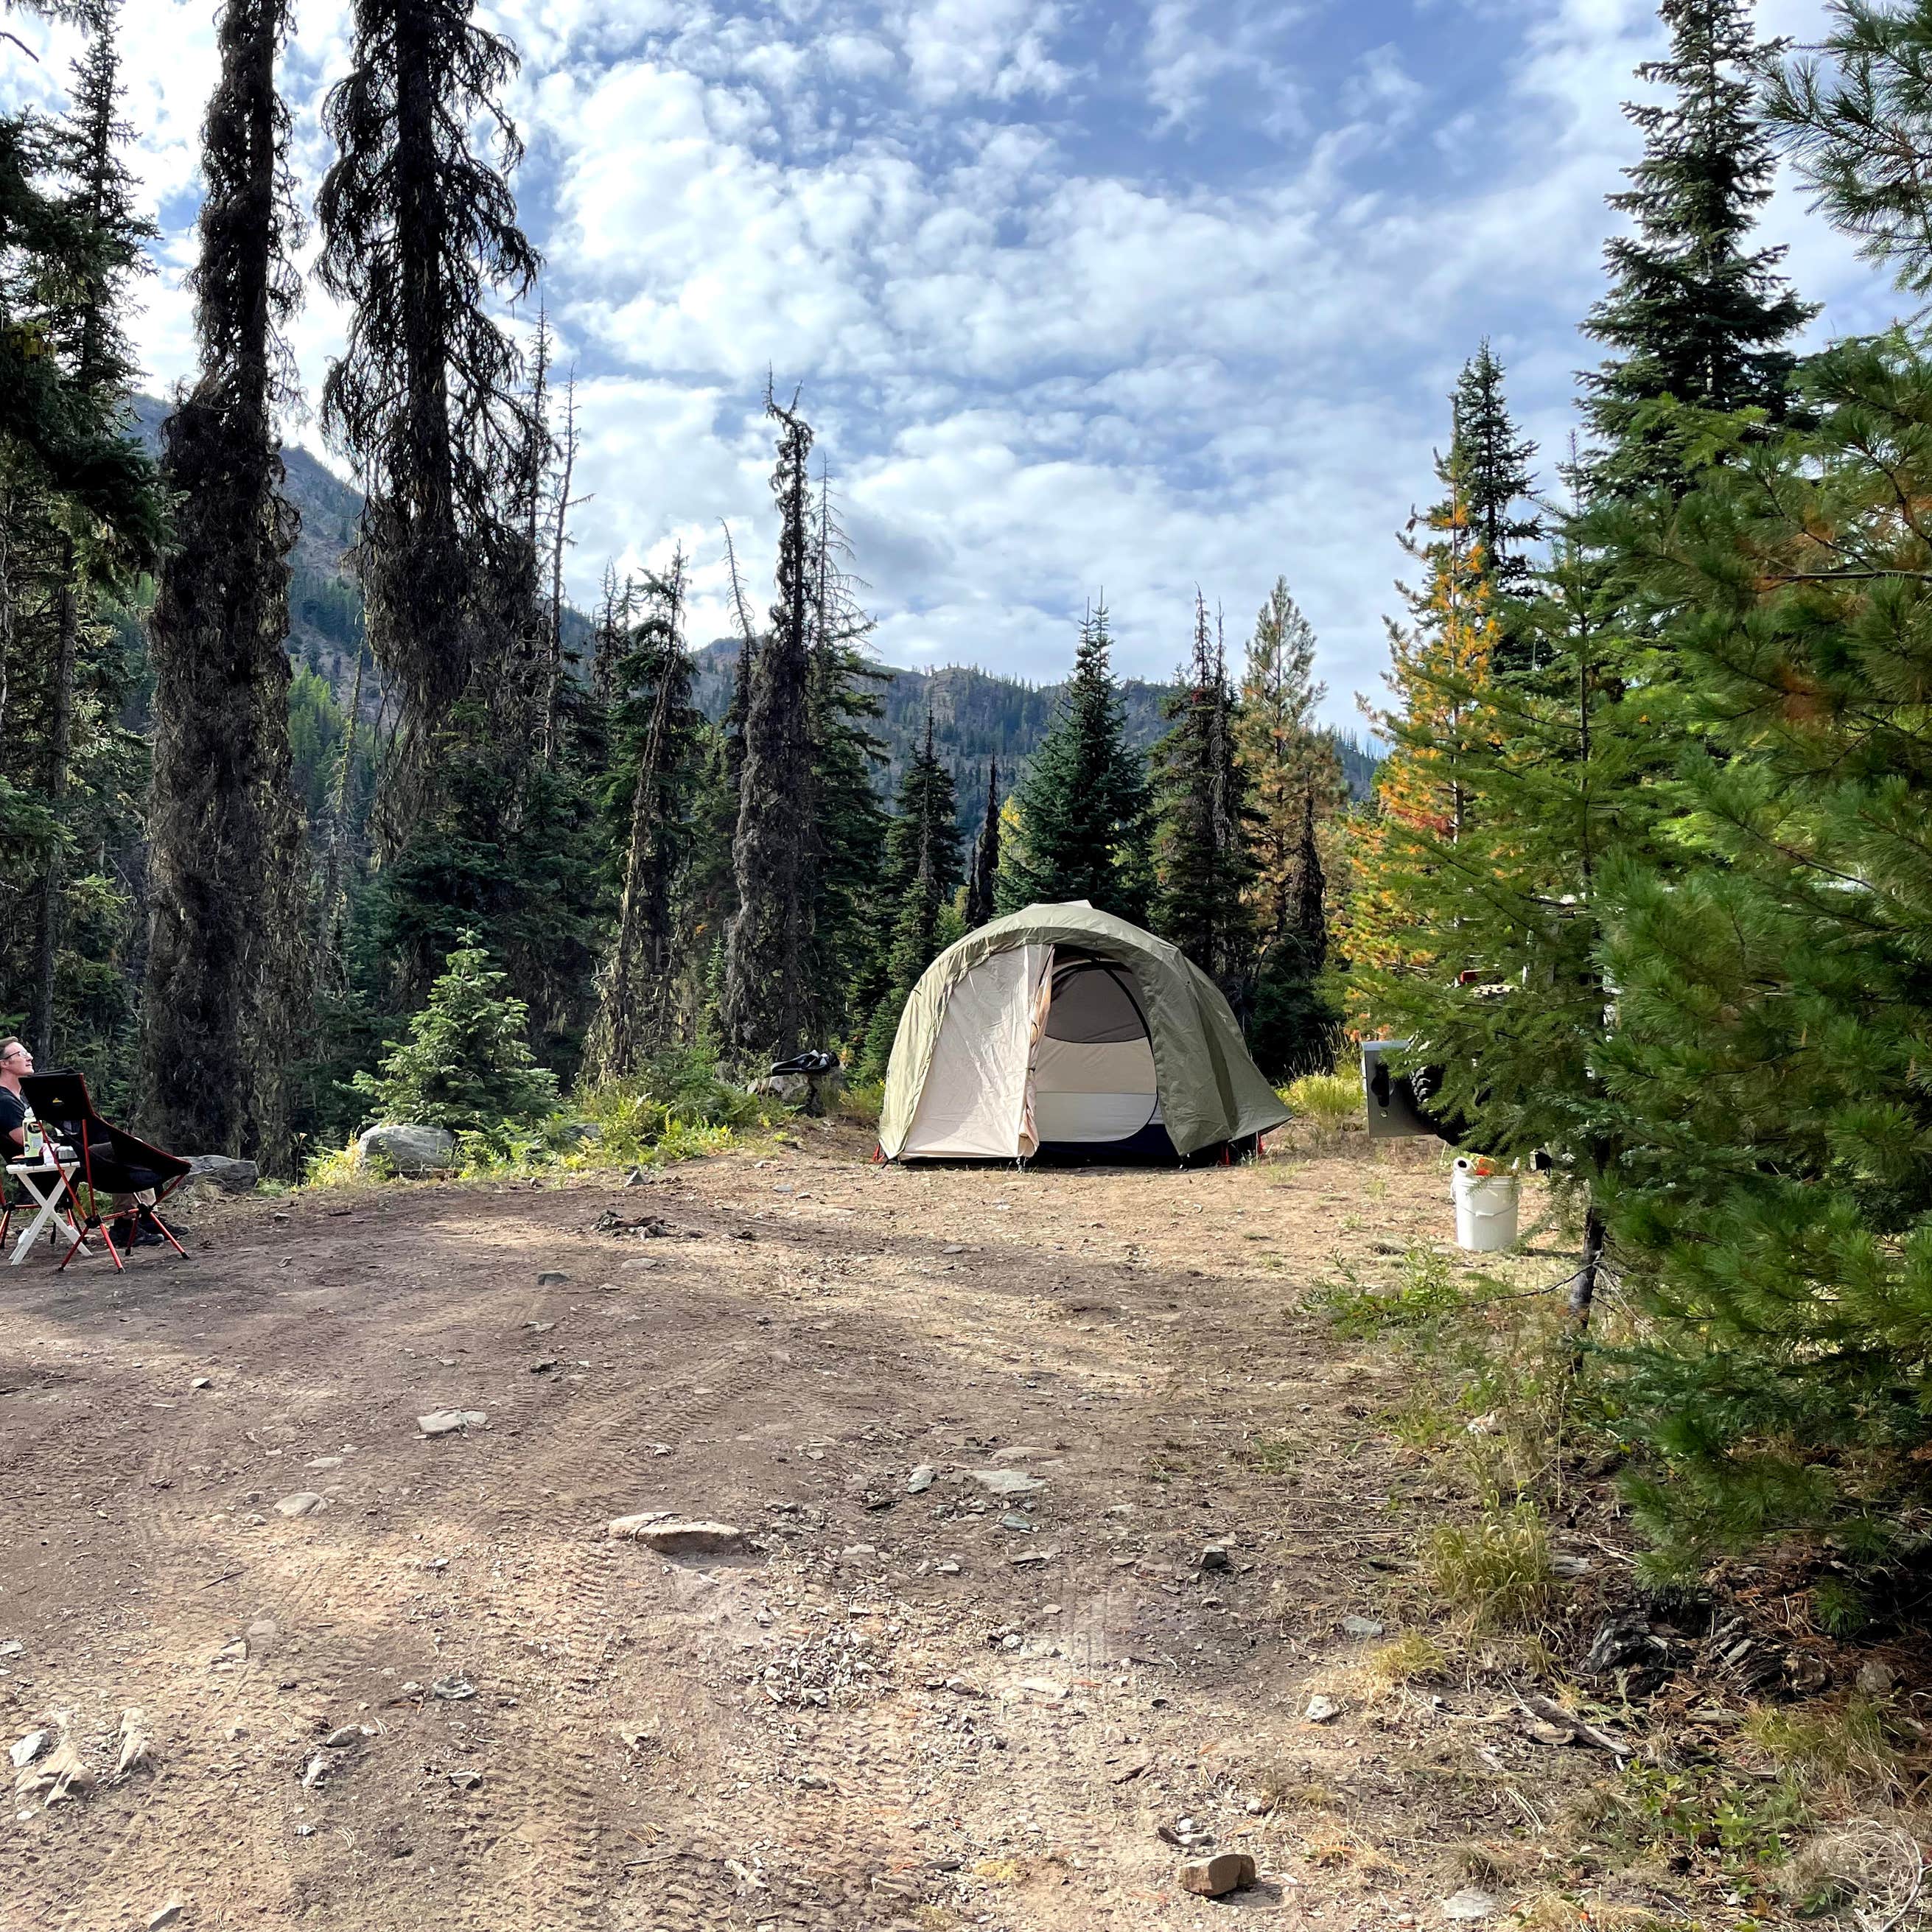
(1583, 1283)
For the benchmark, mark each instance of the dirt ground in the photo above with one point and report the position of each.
(951, 1707)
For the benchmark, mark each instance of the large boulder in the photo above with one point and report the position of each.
(410, 1150)
(231, 1176)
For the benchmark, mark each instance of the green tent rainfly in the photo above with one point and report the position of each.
(1061, 1026)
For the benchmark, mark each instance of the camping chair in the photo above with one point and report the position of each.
(107, 1160)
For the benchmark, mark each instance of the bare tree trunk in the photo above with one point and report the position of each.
(1583, 1284)
(553, 638)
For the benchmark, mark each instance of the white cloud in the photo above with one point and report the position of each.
(1083, 297)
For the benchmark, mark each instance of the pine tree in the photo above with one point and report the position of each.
(52, 428)
(1858, 126)
(922, 874)
(1774, 1210)
(849, 825)
(1480, 898)
(1294, 780)
(1202, 871)
(225, 958)
(765, 1005)
(658, 731)
(418, 232)
(1490, 462)
(1081, 809)
(981, 881)
(466, 1065)
(84, 289)
(1441, 686)
(1693, 314)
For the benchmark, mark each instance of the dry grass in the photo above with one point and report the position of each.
(1496, 1570)
(1414, 1655)
(1852, 1744)
(1330, 1103)
(1873, 1871)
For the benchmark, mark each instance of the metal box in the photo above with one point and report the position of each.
(1394, 1112)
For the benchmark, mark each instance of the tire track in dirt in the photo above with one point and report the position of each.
(167, 1833)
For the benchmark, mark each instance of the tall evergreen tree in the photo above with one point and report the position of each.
(84, 288)
(51, 426)
(419, 232)
(1773, 1213)
(1081, 806)
(765, 1005)
(849, 824)
(1694, 313)
(658, 731)
(1490, 462)
(1294, 781)
(983, 878)
(226, 956)
(922, 875)
(1202, 870)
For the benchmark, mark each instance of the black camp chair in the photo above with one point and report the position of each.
(106, 1159)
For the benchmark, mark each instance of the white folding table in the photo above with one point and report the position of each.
(40, 1180)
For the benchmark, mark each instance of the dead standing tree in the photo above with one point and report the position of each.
(227, 977)
(418, 231)
(765, 1009)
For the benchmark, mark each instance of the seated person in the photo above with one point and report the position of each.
(15, 1060)
(134, 1210)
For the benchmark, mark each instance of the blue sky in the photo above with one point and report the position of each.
(1085, 297)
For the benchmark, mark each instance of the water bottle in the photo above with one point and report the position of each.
(33, 1147)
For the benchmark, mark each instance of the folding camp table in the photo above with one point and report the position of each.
(105, 1159)
(41, 1181)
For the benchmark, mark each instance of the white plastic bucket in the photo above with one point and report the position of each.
(1486, 1206)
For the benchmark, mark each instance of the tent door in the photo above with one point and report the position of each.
(1093, 1072)
(974, 1104)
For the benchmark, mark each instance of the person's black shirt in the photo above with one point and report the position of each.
(13, 1112)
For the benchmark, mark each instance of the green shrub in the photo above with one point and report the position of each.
(675, 1107)
(1426, 1290)
(466, 1065)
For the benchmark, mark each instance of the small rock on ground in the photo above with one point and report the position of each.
(167, 1915)
(1007, 1482)
(1322, 1710)
(922, 1479)
(1470, 1904)
(447, 1421)
(1361, 1627)
(303, 1502)
(1225, 1872)
(677, 1536)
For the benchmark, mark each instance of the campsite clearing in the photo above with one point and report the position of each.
(1055, 1507)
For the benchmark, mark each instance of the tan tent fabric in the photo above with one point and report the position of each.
(1208, 1089)
(974, 1102)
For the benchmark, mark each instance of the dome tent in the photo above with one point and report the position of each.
(1061, 1026)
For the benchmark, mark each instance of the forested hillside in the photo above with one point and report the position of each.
(978, 714)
